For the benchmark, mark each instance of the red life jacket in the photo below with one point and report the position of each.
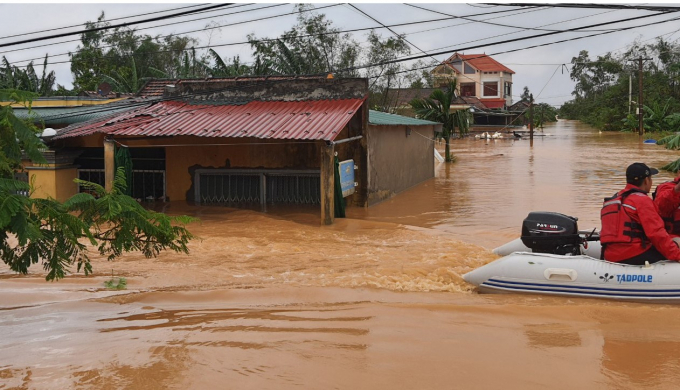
(617, 225)
(672, 223)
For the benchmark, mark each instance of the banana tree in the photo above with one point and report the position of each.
(437, 108)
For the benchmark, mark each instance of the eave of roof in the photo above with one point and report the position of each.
(303, 120)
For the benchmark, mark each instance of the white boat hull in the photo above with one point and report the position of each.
(582, 276)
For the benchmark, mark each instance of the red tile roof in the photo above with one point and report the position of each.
(155, 87)
(303, 120)
(482, 62)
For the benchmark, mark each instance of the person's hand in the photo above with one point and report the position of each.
(676, 240)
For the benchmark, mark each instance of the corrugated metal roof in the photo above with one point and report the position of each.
(305, 120)
(383, 118)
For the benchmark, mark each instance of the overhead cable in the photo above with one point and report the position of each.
(114, 25)
(491, 23)
(260, 40)
(528, 37)
(175, 22)
(600, 6)
(122, 17)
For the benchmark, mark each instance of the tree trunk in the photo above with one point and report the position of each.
(448, 149)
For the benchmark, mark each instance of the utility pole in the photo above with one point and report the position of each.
(641, 128)
(630, 91)
(640, 109)
(531, 119)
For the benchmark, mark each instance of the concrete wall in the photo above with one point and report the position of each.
(396, 161)
(53, 182)
(245, 90)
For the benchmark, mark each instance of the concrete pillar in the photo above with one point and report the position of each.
(327, 184)
(109, 163)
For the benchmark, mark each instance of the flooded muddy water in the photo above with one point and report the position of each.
(274, 301)
(486, 194)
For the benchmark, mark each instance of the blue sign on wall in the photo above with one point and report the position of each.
(346, 169)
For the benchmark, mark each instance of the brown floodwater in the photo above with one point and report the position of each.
(275, 301)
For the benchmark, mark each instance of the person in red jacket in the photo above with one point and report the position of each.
(667, 200)
(632, 230)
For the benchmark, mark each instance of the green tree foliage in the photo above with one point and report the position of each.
(55, 234)
(544, 113)
(223, 69)
(383, 78)
(13, 77)
(312, 46)
(437, 108)
(130, 58)
(601, 93)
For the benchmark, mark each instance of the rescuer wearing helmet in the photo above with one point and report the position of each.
(632, 230)
(667, 200)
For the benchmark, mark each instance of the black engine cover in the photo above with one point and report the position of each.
(548, 232)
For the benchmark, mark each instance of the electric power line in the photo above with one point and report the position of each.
(122, 17)
(531, 37)
(601, 6)
(114, 25)
(261, 40)
(149, 27)
(492, 23)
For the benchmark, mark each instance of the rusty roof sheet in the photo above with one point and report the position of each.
(300, 120)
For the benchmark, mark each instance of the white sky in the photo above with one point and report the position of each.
(537, 68)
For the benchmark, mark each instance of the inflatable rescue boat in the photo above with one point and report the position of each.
(553, 257)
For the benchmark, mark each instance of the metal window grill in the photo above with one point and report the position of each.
(297, 189)
(230, 188)
(146, 185)
(222, 186)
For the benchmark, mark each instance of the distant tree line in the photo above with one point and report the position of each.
(601, 94)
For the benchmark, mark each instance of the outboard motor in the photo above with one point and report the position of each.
(555, 233)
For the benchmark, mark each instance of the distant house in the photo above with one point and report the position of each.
(478, 76)
(400, 98)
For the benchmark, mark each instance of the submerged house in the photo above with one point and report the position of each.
(248, 140)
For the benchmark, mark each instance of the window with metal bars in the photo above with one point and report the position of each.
(218, 186)
(229, 188)
(148, 185)
(296, 189)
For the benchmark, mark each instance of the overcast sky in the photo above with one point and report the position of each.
(538, 68)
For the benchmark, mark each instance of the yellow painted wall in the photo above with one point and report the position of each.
(67, 102)
(45, 183)
(53, 183)
(66, 187)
